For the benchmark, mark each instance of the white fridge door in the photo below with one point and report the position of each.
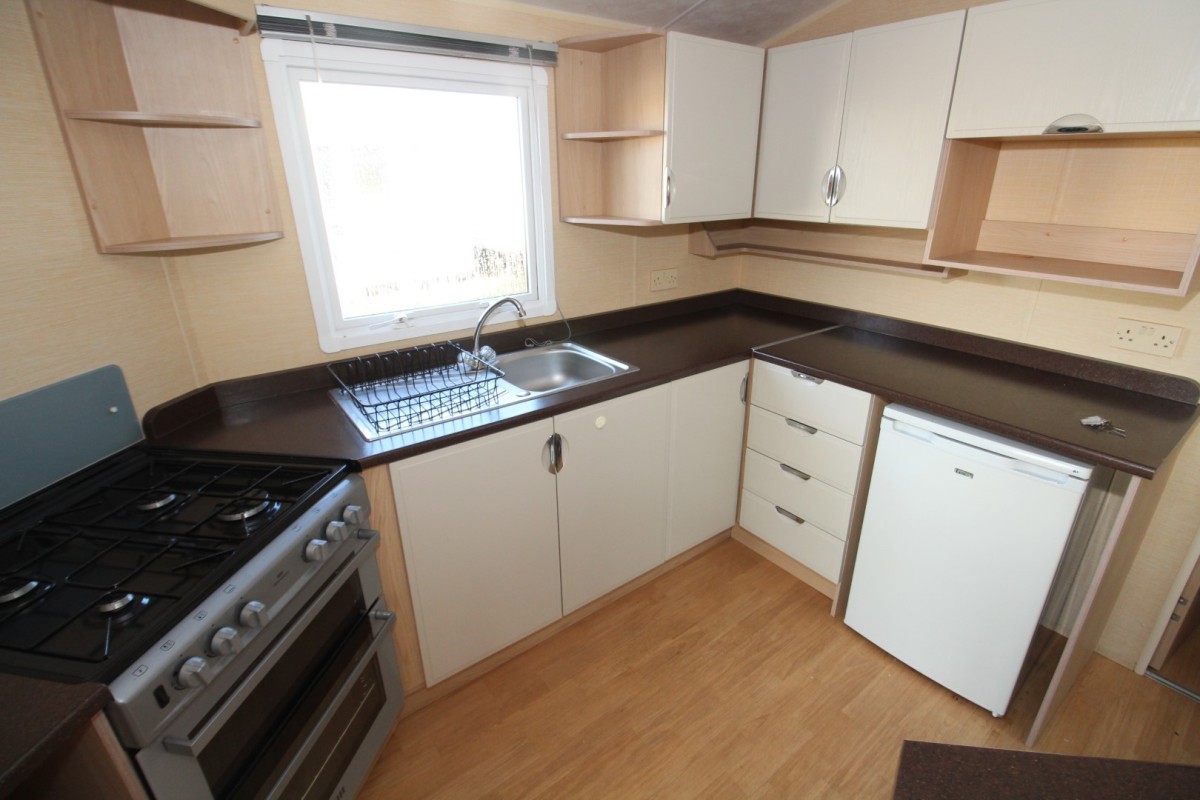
(958, 550)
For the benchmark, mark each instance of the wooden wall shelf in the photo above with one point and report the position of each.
(159, 109)
(898, 250)
(1122, 213)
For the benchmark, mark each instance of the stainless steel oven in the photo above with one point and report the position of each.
(306, 719)
(230, 602)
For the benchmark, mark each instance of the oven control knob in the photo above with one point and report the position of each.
(316, 550)
(354, 514)
(193, 673)
(254, 615)
(336, 531)
(225, 642)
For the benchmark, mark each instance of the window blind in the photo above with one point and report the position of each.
(284, 23)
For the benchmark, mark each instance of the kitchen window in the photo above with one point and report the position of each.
(419, 183)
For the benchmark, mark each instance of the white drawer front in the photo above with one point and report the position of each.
(826, 405)
(826, 457)
(812, 500)
(805, 542)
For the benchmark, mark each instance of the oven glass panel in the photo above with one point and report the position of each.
(258, 740)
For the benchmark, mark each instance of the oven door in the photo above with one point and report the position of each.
(307, 719)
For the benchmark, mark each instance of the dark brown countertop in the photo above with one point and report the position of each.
(930, 771)
(1022, 402)
(1027, 393)
(40, 718)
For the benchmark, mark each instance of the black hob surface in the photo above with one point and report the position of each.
(98, 566)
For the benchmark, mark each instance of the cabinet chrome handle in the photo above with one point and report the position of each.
(670, 189)
(785, 513)
(742, 390)
(554, 457)
(804, 476)
(827, 187)
(839, 178)
(1075, 123)
(800, 426)
(804, 376)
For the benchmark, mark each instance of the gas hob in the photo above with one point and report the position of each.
(96, 567)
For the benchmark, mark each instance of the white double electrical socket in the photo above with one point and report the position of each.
(1147, 337)
(661, 279)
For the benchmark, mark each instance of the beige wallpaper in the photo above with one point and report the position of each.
(171, 324)
(64, 309)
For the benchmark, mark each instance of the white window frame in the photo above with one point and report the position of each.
(290, 62)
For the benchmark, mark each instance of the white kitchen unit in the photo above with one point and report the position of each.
(804, 453)
(708, 414)
(480, 532)
(656, 128)
(962, 537)
(612, 493)
(1128, 65)
(852, 125)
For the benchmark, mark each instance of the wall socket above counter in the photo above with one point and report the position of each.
(1147, 337)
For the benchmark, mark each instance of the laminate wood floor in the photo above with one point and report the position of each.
(727, 678)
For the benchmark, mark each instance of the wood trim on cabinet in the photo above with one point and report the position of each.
(899, 250)
(394, 572)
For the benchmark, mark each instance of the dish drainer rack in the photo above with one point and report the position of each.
(406, 389)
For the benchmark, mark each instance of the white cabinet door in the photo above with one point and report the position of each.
(714, 90)
(801, 124)
(707, 419)
(480, 539)
(1133, 65)
(612, 493)
(894, 123)
(873, 103)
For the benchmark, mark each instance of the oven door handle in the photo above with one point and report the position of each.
(285, 779)
(217, 719)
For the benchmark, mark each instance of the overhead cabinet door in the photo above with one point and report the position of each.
(1132, 65)
(801, 125)
(714, 90)
(882, 94)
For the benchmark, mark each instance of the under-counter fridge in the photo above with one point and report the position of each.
(961, 539)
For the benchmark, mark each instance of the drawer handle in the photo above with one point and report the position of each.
(793, 471)
(785, 513)
(800, 426)
(804, 376)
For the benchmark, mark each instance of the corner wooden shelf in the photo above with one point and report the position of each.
(1122, 213)
(159, 110)
(151, 120)
(898, 250)
(610, 98)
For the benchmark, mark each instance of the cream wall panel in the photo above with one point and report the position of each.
(666, 248)
(991, 305)
(64, 308)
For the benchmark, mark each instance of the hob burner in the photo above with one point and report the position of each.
(15, 588)
(246, 508)
(113, 602)
(154, 502)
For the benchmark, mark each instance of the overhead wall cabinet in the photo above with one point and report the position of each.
(1128, 65)
(852, 125)
(159, 110)
(656, 128)
(1083, 207)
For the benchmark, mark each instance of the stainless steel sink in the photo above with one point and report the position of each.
(393, 393)
(555, 367)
